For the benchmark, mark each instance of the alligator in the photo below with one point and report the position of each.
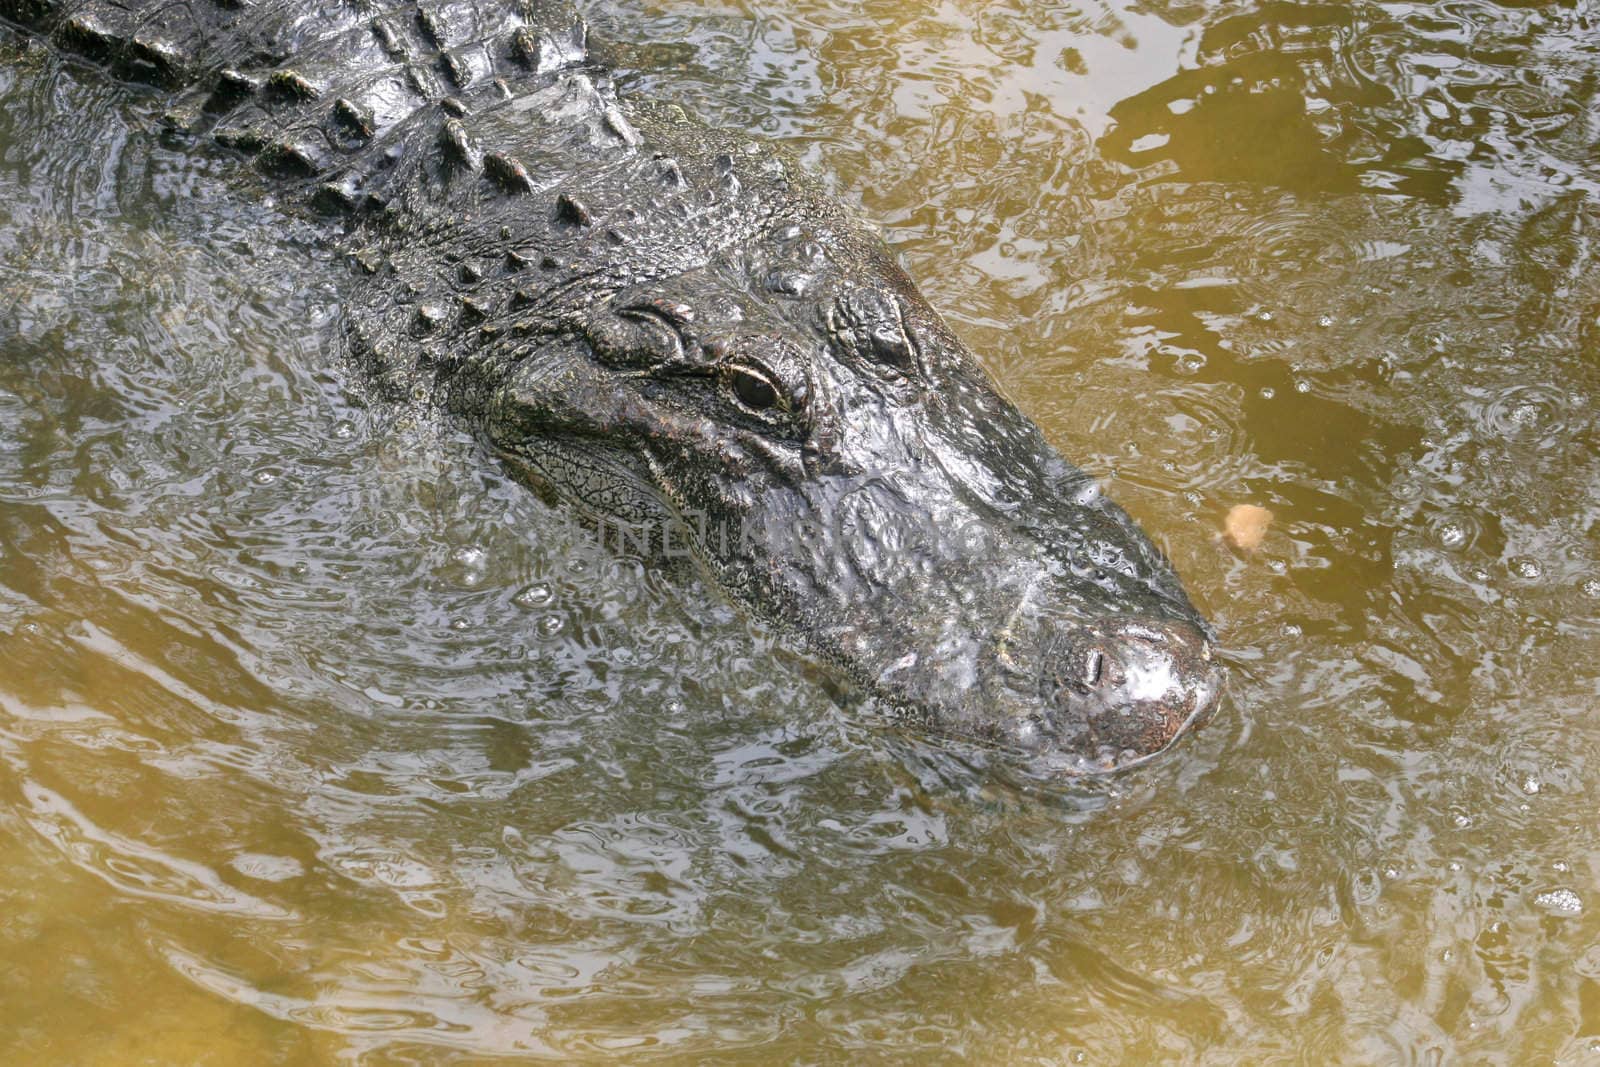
(673, 328)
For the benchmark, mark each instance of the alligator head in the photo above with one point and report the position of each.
(720, 353)
(671, 326)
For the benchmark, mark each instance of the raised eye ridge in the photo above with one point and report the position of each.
(638, 335)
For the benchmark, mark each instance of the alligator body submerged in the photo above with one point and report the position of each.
(671, 327)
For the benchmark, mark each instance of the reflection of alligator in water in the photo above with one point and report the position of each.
(670, 327)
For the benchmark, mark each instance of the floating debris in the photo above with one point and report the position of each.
(1246, 526)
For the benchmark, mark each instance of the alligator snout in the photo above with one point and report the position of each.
(1118, 690)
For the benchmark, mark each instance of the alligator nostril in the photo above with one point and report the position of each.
(1093, 666)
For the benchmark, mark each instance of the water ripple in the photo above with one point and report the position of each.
(135, 868)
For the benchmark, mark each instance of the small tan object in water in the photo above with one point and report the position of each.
(1246, 526)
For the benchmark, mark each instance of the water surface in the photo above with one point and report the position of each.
(321, 741)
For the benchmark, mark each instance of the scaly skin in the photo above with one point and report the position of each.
(672, 328)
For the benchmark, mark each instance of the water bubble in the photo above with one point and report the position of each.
(1302, 386)
(1591, 588)
(550, 625)
(1527, 567)
(344, 429)
(1325, 321)
(534, 596)
(1525, 411)
(1454, 532)
(460, 626)
(1366, 886)
(1531, 784)
(263, 477)
(300, 569)
(1478, 574)
(473, 562)
(1268, 392)
(1562, 901)
(1291, 629)
(1265, 316)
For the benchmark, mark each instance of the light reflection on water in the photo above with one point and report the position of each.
(316, 741)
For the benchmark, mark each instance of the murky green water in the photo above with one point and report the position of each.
(320, 740)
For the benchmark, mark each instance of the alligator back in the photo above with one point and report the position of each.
(491, 182)
(316, 92)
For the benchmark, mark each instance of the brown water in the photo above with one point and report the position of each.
(316, 744)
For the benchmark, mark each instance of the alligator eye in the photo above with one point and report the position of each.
(753, 389)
